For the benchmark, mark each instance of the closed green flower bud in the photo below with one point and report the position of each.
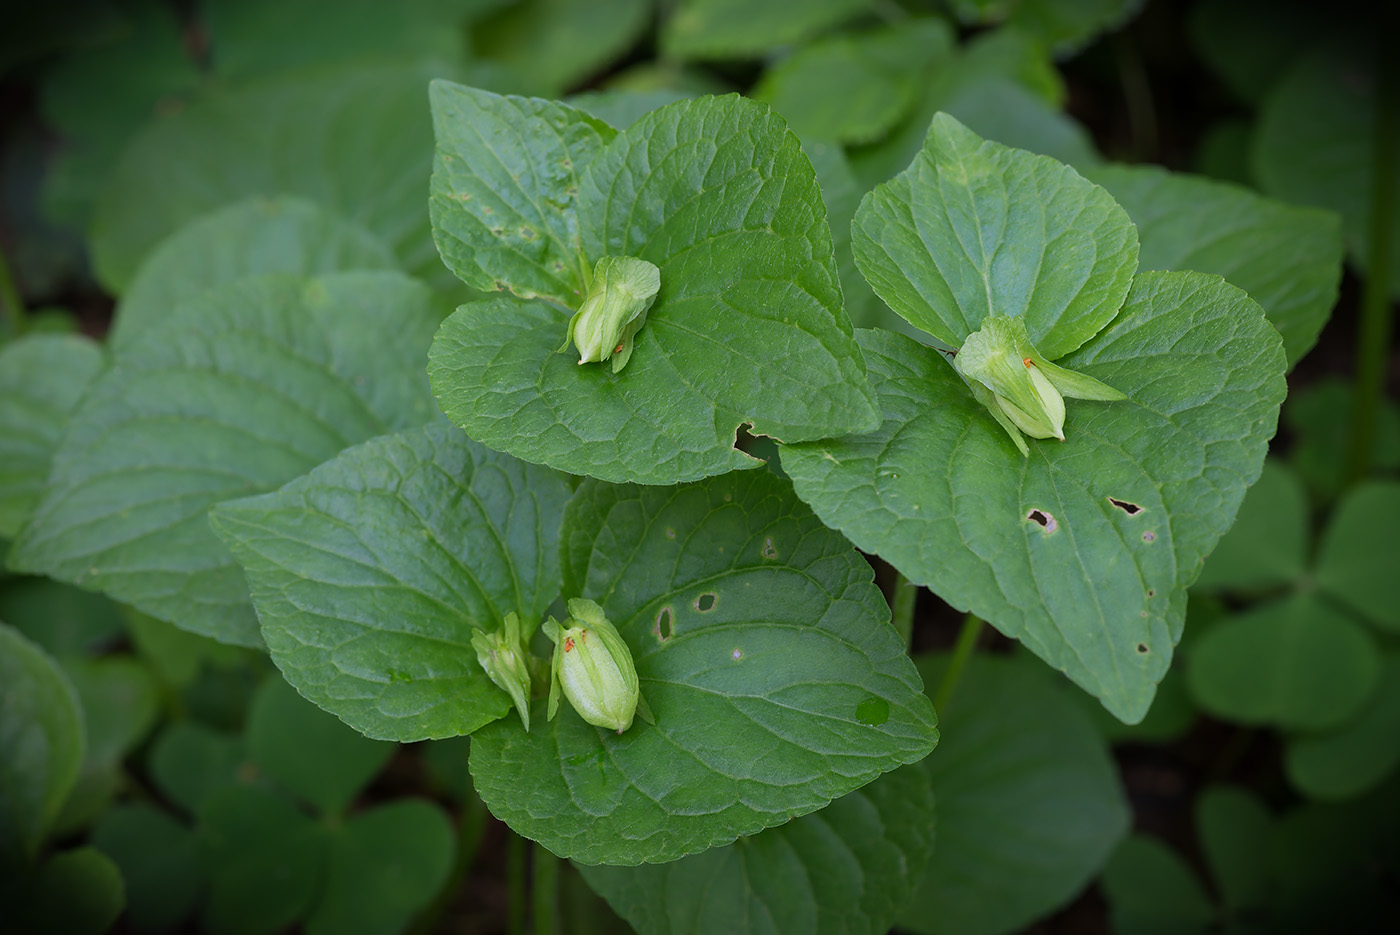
(593, 667)
(504, 657)
(1022, 390)
(620, 292)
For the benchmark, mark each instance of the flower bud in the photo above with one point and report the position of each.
(1022, 390)
(593, 667)
(504, 657)
(620, 292)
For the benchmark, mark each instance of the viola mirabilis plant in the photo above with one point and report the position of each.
(691, 249)
(1075, 526)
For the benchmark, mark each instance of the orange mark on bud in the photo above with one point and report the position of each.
(568, 643)
(618, 349)
(1028, 362)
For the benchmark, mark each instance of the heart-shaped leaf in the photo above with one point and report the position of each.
(1084, 550)
(248, 238)
(1288, 258)
(748, 326)
(371, 573)
(1029, 801)
(845, 869)
(974, 228)
(368, 125)
(42, 377)
(753, 628)
(251, 385)
(41, 745)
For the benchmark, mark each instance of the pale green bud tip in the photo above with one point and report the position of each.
(605, 326)
(1026, 390)
(504, 657)
(593, 668)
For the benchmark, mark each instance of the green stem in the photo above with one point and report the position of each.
(906, 594)
(546, 893)
(515, 883)
(1373, 338)
(11, 306)
(1137, 94)
(962, 652)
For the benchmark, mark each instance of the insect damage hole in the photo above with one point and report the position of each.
(1132, 509)
(662, 628)
(1043, 520)
(705, 603)
(1142, 649)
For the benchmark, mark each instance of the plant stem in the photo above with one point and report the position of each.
(962, 651)
(11, 306)
(906, 594)
(515, 883)
(546, 892)
(1373, 338)
(1137, 94)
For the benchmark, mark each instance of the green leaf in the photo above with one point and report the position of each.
(99, 95)
(1296, 663)
(371, 573)
(63, 620)
(753, 627)
(42, 378)
(844, 869)
(1084, 550)
(41, 745)
(250, 238)
(973, 228)
(308, 752)
(255, 383)
(1064, 25)
(1333, 866)
(159, 862)
(1250, 43)
(1319, 416)
(1315, 143)
(1358, 755)
(177, 656)
(550, 46)
(266, 862)
(748, 326)
(1358, 556)
(1268, 545)
(189, 762)
(1234, 828)
(718, 29)
(382, 866)
(1007, 111)
(506, 180)
(854, 86)
(77, 892)
(1152, 891)
(257, 37)
(118, 698)
(1287, 258)
(369, 123)
(1029, 801)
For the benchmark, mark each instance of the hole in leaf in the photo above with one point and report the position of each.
(1132, 509)
(1142, 649)
(1151, 593)
(705, 603)
(1043, 520)
(662, 629)
(769, 551)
